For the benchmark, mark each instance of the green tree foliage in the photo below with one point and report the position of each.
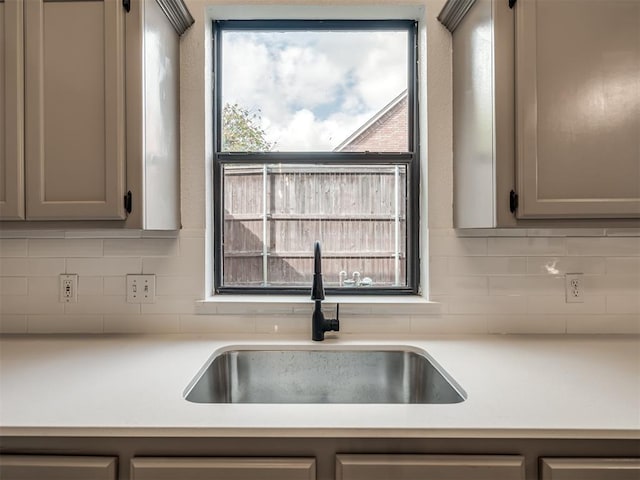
(241, 131)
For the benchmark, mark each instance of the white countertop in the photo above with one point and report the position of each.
(517, 386)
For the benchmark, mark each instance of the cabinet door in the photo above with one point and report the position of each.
(426, 467)
(578, 108)
(223, 468)
(29, 467)
(11, 111)
(74, 109)
(590, 468)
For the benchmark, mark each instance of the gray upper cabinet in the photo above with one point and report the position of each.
(74, 109)
(11, 110)
(578, 108)
(98, 123)
(546, 105)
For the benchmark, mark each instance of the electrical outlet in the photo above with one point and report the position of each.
(141, 289)
(573, 287)
(68, 288)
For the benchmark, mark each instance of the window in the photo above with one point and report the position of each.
(316, 138)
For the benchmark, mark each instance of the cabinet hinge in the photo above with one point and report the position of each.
(513, 201)
(127, 5)
(512, 3)
(128, 201)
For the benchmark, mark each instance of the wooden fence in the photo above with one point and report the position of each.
(275, 213)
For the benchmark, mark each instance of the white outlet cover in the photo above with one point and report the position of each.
(68, 288)
(141, 288)
(574, 288)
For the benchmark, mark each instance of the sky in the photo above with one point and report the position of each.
(311, 90)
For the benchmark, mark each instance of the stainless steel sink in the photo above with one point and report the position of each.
(322, 376)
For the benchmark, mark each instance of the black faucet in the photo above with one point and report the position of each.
(319, 324)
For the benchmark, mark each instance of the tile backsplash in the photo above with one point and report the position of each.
(487, 281)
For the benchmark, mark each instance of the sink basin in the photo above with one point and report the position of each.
(298, 375)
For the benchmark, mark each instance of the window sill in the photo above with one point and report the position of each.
(292, 304)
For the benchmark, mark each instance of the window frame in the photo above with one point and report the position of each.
(411, 159)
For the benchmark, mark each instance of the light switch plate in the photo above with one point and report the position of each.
(141, 288)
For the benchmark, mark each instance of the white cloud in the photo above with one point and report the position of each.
(311, 89)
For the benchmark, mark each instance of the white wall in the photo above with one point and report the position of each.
(493, 281)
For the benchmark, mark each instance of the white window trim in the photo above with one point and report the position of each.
(269, 303)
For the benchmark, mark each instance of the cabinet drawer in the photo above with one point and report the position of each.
(590, 468)
(49, 467)
(425, 467)
(238, 468)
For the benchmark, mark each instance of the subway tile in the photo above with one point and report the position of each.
(457, 247)
(65, 324)
(99, 304)
(563, 265)
(623, 232)
(491, 232)
(606, 246)
(192, 233)
(44, 286)
(65, 248)
(468, 285)
(565, 232)
(442, 301)
(526, 324)
(141, 324)
(611, 285)
(623, 265)
(487, 265)
(592, 305)
(217, 324)
(104, 233)
(25, 305)
(39, 232)
(13, 247)
(259, 308)
(374, 324)
(531, 285)
(449, 324)
(526, 247)
(187, 264)
(283, 324)
(180, 285)
(90, 285)
(115, 285)
(11, 267)
(13, 324)
(171, 304)
(439, 266)
(611, 324)
(141, 247)
(161, 233)
(104, 266)
(618, 304)
(513, 304)
(13, 286)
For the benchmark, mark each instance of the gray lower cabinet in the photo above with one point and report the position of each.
(590, 468)
(236, 468)
(49, 467)
(426, 467)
